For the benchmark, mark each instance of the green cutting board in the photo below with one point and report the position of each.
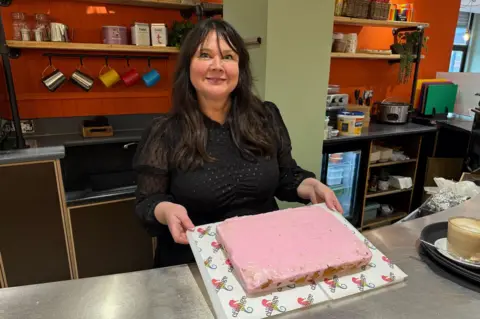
(439, 97)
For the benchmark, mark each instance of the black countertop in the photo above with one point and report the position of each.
(76, 139)
(457, 124)
(376, 130)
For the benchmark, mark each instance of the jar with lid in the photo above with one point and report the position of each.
(339, 43)
(43, 26)
(19, 23)
(373, 184)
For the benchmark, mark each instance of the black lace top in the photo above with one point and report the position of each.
(230, 186)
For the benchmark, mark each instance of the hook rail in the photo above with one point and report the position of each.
(106, 57)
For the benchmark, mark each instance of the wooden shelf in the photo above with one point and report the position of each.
(413, 160)
(89, 47)
(160, 4)
(382, 220)
(368, 56)
(377, 23)
(165, 4)
(389, 192)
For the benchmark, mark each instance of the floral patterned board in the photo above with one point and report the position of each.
(230, 300)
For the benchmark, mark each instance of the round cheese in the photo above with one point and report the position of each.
(464, 237)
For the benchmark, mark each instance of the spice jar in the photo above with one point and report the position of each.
(18, 24)
(351, 41)
(339, 43)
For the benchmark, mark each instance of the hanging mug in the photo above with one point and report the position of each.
(130, 77)
(110, 77)
(54, 80)
(81, 79)
(151, 78)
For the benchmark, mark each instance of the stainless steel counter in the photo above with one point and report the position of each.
(173, 293)
(32, 154)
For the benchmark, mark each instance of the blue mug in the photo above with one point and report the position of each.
(151, 78)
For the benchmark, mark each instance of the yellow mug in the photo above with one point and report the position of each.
(109, 78)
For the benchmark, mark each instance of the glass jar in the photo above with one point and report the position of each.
(43, 24)
(18, 24)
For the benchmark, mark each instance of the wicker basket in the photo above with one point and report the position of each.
(356, 8)
(379, 11)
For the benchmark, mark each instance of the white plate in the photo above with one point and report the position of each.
(441, 245)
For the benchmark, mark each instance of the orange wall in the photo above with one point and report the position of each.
(87, 19)
(381, 77)
(35, 101)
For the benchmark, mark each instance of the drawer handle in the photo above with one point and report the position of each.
(127, 146)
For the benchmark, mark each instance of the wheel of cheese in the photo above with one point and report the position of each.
(464, 237)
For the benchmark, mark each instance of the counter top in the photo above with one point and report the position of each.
(178, 292)
(459, 124)
(377, 130)
(33, 154)
(76, 139)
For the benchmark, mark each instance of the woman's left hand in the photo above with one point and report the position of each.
(318, 192)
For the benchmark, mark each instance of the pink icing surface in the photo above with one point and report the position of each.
(275, 249)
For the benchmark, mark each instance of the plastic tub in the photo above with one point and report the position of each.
(333, 181)
(350, 123)
(371, 210)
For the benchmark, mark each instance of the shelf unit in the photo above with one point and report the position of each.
(384, 219)
(413, 160)
(390, 191)
(412, 148)
(11, 49)
(376, 23)
(68, 46)
(397, 26)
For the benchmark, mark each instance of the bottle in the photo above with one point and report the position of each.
(338, 7)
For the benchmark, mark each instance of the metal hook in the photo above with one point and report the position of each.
(128, 61)
(50, 60)
(106, 60)
(81, 60)
(149, 62)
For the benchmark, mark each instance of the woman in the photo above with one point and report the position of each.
(220, 152)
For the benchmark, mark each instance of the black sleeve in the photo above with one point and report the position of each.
(152, 167)
(291, 175)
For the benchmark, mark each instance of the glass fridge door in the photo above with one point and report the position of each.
(342, 176)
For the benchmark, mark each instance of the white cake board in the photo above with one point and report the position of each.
(230, 300)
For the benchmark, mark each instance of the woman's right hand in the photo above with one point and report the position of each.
(176, 218)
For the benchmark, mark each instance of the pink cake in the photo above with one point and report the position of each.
(277, 249)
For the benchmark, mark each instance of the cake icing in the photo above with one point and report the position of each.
(277, 249)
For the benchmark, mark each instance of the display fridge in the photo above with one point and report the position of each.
(342, 172)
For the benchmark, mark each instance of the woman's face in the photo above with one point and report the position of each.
(214, 69)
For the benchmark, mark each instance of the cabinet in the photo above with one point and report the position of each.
(2, 273)
(32, 238)
(108, 238)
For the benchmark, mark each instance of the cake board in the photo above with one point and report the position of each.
(229, 299)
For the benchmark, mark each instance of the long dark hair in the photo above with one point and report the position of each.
(247, 118)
